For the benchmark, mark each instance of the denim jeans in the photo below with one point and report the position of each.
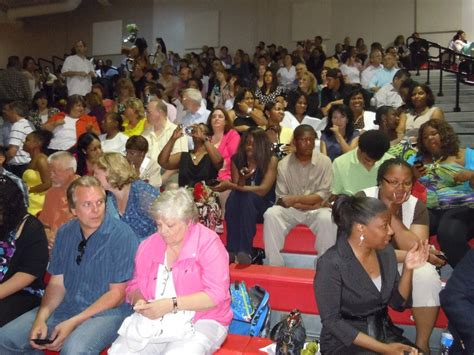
(91, 337)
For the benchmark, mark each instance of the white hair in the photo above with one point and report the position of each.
(193, 94)
(65, 158)
(177, 203)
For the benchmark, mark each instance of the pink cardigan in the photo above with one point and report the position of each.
(228, 147)
(202, 265)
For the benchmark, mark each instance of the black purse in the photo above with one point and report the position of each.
(289, 334)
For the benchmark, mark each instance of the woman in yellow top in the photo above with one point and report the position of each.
(134, 117)
(37, 176)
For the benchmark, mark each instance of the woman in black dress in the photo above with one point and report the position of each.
(357, 279)
(23, 254)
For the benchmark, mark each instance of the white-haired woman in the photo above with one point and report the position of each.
(180, 287)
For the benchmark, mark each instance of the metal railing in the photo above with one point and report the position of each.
(444, 60)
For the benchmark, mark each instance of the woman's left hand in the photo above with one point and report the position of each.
(417, 256)
(222, 186)
(463, 176)
(155, 309)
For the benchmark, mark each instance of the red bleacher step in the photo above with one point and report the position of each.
(291, 288)
(300, 240)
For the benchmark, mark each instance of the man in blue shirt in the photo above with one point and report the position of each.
(91, 261)
(384, 76)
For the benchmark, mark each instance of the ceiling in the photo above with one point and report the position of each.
(12, 4)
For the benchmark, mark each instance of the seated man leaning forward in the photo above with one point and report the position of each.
(357, 169)
(303, 185)
(91, 260)
(180, 286)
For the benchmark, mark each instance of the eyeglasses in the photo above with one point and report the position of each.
(396, 184)
(165, 279)
(81, 248)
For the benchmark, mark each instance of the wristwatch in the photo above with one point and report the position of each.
(175, 305)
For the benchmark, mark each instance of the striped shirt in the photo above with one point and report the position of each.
(18, 133)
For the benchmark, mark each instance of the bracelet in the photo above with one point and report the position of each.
(175, 304)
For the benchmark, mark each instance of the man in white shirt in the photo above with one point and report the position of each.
(389, 94)
(78, 71)
(17, 159)
(375, 64)
(195, 112)
(159, 132)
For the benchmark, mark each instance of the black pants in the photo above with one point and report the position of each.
(454, 228)
(243, 211)
(15, 305)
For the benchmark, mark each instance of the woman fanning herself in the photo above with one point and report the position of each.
(254, 169)
(24, 254)
(421, 109)
(339, 136)
(244, 115)
(37, 175)
(180, 286)
(200, 164)
(357, 279)
(410, 224)
(447, 173)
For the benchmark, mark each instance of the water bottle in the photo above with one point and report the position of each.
(446, 342)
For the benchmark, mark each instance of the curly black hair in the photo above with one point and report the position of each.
(449, 139)
(12, 206)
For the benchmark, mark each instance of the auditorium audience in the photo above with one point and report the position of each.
(113, 139)
(134, 117)
(40, 111)
(89, 150)
(358, 102)
(270, 90)
(180, 286)
(147, 169)
(91, 261)
(339, 136)
(78, 71)
(254, 169)
(17, 159)
(389, 94)
(24, 254)
(245, 114)
(124, 90)
(128, 198)
(357, 169)
(307, 85)
(19, 182)
(278, 134)
(303, 184)
(69, 125)
(410, 224)
(421, 109)
(384, 75)
(335, 91)
(357, 279)
(446, 171)
(375, 64)
(62, 167)
(37, 175)
(201, 163)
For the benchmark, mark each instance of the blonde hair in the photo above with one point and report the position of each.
(313, 83)
(136, 105)
(118, 169)
(177, 203)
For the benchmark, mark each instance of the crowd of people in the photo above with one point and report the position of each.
(124, 182)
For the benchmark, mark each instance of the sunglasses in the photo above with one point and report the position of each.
(81, 248)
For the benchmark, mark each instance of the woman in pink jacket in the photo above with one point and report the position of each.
(180, 288)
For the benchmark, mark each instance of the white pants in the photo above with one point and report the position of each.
(278, 221)
(208, 336)
(426, 286)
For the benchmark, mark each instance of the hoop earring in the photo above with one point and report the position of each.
(361, 239)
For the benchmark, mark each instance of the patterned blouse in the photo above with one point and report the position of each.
(136, 214)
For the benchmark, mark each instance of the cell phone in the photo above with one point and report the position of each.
(212, 182)
(418, 161)
(43, 341)
(189, 130)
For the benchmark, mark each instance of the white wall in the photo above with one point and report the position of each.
(242, 23)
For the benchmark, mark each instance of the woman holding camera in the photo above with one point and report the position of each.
(200, 164)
